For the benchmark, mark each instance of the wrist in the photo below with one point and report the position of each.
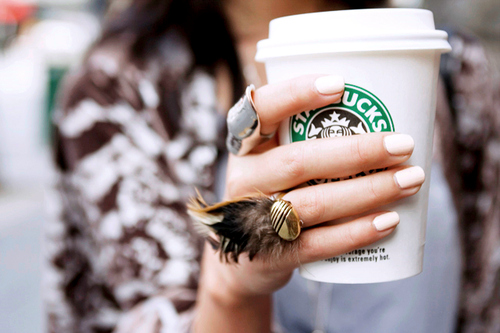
(223, 295)
(222, 287)
(224, 308)
(231, 282)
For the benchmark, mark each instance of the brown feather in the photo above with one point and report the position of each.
(243, 225)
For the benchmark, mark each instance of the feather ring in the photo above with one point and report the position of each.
(252, 224)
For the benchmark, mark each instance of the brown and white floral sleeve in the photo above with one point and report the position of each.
(468, 120)
(122, 254)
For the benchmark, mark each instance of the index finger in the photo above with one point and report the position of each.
(278, 101)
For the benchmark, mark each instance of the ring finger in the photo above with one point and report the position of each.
(315, 204)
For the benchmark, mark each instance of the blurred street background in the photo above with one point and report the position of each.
(40, 40)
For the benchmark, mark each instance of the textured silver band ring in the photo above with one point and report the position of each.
(243, 125)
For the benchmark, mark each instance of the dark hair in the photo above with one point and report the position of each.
(203, 24)
(200, 22)
(360, 4)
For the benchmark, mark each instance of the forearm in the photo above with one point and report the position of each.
(220, 312)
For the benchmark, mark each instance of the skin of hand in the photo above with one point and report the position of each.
(271, 168)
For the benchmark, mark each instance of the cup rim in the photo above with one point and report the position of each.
(344, 31)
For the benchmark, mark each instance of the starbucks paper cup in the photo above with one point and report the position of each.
(390, 61)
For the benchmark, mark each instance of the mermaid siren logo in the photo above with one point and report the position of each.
(328, 124)
(358, 112)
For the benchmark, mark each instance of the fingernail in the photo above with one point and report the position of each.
(399, 144)
(410, 177)
(386, 221)
(329, 85)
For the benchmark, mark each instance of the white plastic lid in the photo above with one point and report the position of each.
(352, 31)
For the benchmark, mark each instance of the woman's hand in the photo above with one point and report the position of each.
(271, 168)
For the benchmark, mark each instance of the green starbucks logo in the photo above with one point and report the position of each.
(358, 112)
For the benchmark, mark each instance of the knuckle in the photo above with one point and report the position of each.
(350, 237)
(361, 150)
(295, 94)
(311, 207)
(293, 163)
(372, 188)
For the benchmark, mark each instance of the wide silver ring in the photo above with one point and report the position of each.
(243, 125)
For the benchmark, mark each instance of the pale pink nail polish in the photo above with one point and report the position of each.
(329, 85)
(399, 144)
(386, 221)
(410, 177)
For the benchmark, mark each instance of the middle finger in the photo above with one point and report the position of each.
(287, 166)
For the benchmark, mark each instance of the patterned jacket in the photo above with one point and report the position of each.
(122, 251)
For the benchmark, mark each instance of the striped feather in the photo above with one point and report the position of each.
(244, 225)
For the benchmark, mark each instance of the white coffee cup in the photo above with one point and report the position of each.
(390, 61)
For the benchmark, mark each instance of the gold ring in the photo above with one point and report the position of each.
(285, 220)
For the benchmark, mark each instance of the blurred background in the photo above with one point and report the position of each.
(40, 40)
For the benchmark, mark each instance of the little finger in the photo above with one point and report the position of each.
(330, 241)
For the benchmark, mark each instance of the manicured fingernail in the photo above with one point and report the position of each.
(399, 144)
(330, 85)
(410, 177)
(386, 221)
